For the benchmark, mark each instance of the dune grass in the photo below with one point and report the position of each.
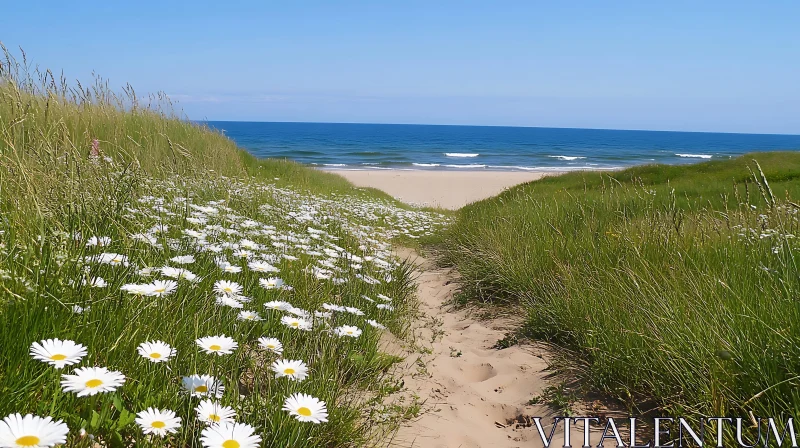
(100, 192)
(675, 288)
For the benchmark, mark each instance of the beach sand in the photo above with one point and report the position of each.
(445, 189)
(471, 393)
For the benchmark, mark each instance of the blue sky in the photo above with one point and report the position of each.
(679, 65)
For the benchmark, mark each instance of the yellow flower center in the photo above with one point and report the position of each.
(230, 444)
(27, 441)
(94, 383)
(270, 345)
(288, 371)
(201, 389)
(214, 418)
(155, 355)
(58, 357)
(160, 289)
(349, 331)
(295, 324)
(215, 347)
(227, 289)
(304, 411)
(158, 424)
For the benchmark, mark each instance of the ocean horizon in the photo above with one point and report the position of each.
(353, 146)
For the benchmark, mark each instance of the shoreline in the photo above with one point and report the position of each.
(468, 169)
(448, 189)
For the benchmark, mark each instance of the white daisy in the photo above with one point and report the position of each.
(293, 369)
(160, 288)
(98, 241)
(385, 306)
(206, 247)
(212, 413)
(96, 282)
(57, 352)
(277, 305)
(194, 233)
(146, 238)
(203, 386)
(156, 351)
(296, 322)
(376, 324)
(248, 315)
(183, 259)
(332, 307)
(230, 435)
(248, 244)
(92, 381)
(353, 310)
(299, 312)
(181, 274)
(271, 283)
(262, 266)
(137, 289)
(193, 220)
(77, 309)
(219, 345)
(146, 272)
(113, 259)
(306, 408)
(229, 268)
(32, 431)
(227, 288)
(347, 330)
(230, 301)
(158, 422)
(242, 253)
(271, 344)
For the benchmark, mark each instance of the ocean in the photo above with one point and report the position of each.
(433, 147)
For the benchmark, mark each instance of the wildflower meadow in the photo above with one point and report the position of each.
(153, 296)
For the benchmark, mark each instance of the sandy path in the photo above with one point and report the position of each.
(446, 189)
(471, 392)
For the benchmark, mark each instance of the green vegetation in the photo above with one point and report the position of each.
(121, 224)
(677, 285)
(559, 398)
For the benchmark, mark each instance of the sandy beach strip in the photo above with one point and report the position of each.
(445, 189)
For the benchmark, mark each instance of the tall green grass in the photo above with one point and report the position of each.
(49, 126)
(676, 286)
(79, 161)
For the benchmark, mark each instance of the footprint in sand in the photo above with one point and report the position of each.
(479, 373)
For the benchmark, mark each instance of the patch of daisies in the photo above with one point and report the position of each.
(236, 243)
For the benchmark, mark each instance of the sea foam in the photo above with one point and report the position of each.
(695, 156)
(567, 157)
(460, 154)
(474, 165)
